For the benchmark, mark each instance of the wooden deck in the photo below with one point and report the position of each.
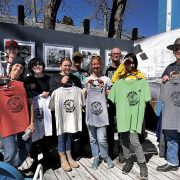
(84, 172)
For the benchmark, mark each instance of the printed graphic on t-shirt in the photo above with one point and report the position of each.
(176, 98)
(133, 98)
(110, 74)
(96, 108)
(15, 104)
(69, 105)
(38, 114)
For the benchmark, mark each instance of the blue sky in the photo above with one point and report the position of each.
(141, 14)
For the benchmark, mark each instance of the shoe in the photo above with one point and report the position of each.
(143, 171)
(121, 158)
(109, 162)
(166, 168)
(64, 163)
(27, 173)
(72, 163)
(128, 166)
(95, 163)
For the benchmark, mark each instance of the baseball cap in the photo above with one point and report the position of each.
(11, 43)
(77, 54)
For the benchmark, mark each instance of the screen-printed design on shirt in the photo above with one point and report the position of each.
(38, 114)
(110, 74)
(133, 98)
(96, 108)
(69, 105)
(15, 104)
(176, 98)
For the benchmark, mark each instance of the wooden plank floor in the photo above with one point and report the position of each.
(84, 172)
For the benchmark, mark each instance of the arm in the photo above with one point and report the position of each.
(31, 113)
(121, 70)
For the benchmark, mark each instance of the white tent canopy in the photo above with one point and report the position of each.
(153, 55)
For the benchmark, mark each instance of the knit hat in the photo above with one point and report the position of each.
(11, 43)
(18, 60)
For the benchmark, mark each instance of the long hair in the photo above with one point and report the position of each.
(133, 57)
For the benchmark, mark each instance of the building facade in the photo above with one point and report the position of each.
(168, 15)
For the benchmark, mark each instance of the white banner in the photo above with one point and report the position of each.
(153, 55)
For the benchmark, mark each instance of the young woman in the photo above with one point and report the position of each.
(96, 89)
(39, 84)
(125, 95)
(128, 69)
(16, 115)
(65, 88)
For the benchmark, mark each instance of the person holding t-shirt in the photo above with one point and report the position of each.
(96, 88)
(130, 95)
(169, 95)
(17, 115)
(66, 80)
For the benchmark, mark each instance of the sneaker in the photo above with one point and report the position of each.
(95, 163)
(109, 162)
(166, 168)
(128, 166)
(143, 171)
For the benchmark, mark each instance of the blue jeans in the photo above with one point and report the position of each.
(64, 142)
(98, 141)
(16, 150)
(173, 146)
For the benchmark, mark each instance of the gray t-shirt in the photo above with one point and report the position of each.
(96, 107)
(170, 96)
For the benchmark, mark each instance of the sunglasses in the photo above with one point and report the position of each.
(95, 56)
(176, 49)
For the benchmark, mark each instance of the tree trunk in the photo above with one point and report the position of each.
(115, 24)
(50, 14)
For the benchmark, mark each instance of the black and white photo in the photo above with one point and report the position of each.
(26, 49)
(53, 53)
(87, 54)
(107, 58)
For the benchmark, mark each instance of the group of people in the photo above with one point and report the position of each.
(118, 97)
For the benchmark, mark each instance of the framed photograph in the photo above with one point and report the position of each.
(26, 49)
(87, 53)
(107, 58)
(53, 53)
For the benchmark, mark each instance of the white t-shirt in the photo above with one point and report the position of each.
(67, 102)
(43, 118)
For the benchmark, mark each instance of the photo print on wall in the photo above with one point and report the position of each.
(87, 53)
(53, 53)
(26, 49)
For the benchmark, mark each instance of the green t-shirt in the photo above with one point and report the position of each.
(130, 98)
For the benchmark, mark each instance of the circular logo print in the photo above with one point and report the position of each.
(15, 104)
